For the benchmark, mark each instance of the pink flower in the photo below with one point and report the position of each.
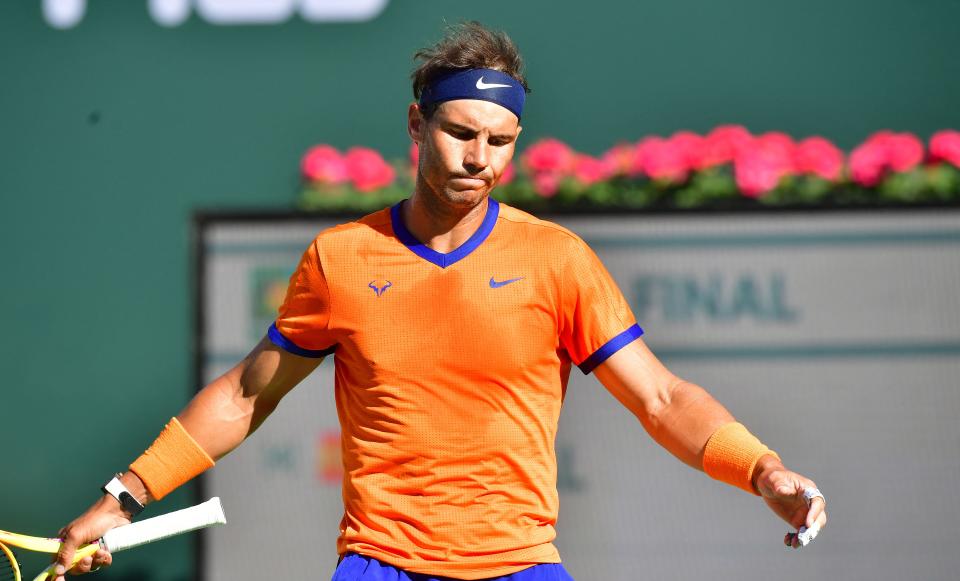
(779, 145)
(367, 169)
(663, 159)
(547, 183)
(759, 167)
(548, 161)
(905, 151)
(549, 155)
(589, 170)
(722, 144)
(882, 152)
(692, 146)
(945, 146)
(868, 162)
(508, 174)
(621, 160)
(816, 155)
(324, 164)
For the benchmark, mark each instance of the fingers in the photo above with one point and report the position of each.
(88, 558)
(816, 521)
(71, 540)
(817, 513)
(92, 563)
(808, 510)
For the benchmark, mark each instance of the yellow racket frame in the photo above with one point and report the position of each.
(13, 561)
(40, 545)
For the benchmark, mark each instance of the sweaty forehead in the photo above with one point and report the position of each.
(478, 115)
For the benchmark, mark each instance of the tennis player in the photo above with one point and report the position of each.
(454, 321)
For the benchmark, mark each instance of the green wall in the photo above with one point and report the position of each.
(112, 133)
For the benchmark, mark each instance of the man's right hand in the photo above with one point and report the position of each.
(104, 515)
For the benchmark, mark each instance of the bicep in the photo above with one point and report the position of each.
(637, 378)
(231, 407)
(269, 372)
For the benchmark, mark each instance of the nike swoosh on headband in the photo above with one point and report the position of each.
(482, 86)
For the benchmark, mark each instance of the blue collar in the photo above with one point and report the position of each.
(438, 258)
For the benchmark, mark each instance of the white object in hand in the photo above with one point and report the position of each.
(810, 493)
(806, 535)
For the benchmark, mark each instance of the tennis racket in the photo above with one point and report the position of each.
(127, 536)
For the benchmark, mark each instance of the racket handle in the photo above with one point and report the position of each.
(160, 527)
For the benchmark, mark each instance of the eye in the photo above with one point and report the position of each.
(462, 134)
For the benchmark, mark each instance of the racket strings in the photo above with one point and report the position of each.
(9, 571)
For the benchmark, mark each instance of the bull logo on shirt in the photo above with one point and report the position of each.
(380, 286)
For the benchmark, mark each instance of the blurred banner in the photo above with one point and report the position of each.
(69, 13)
(834, 336)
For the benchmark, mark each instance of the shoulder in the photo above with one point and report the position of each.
(532, 227)
(346, 237)
(550, 243)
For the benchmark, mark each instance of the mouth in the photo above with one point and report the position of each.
(469, 182)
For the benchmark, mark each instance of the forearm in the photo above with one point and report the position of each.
(230, 408)
(221, 415)
(218, 419)
(684, 421)
(679, 415)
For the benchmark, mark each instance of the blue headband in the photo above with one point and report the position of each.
(482, 84)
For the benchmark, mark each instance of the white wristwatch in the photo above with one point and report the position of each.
(116, 489)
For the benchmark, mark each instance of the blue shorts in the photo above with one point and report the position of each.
(356, 567)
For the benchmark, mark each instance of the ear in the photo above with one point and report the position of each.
(415, 122)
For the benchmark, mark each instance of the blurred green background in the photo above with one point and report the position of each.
(112, 133)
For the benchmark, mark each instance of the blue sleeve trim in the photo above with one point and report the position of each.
(277, 338)
(611, 347)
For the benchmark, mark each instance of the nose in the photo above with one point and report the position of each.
(477, 156)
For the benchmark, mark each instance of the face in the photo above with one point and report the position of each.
(464, 149)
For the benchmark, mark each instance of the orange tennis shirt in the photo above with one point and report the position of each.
(450, 373)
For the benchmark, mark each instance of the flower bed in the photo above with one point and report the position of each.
(727, 168)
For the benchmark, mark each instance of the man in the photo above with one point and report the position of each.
(455, 321)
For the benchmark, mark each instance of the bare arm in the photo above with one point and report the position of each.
(218, 418)
(231, 407)
(682, 416)
(234, 405)
(679, 415)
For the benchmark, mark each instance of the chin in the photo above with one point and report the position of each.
(465, 198)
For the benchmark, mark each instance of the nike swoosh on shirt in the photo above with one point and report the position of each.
(495, 284)
(482, 86)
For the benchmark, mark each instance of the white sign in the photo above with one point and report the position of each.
(65, 14)
(834, 336)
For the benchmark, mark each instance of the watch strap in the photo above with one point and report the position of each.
(116, 489)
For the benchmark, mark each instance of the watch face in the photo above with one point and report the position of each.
(130, 504)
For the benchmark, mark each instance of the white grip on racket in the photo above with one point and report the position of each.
(163, 526)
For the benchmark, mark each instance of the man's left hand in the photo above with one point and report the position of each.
(782, 490)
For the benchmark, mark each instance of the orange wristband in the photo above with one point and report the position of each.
(731, 455)
(173, 459)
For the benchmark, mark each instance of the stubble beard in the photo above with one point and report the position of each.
(449, 202)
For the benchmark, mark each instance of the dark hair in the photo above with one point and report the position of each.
(468, 45)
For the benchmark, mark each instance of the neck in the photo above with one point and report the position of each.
(441, 227)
